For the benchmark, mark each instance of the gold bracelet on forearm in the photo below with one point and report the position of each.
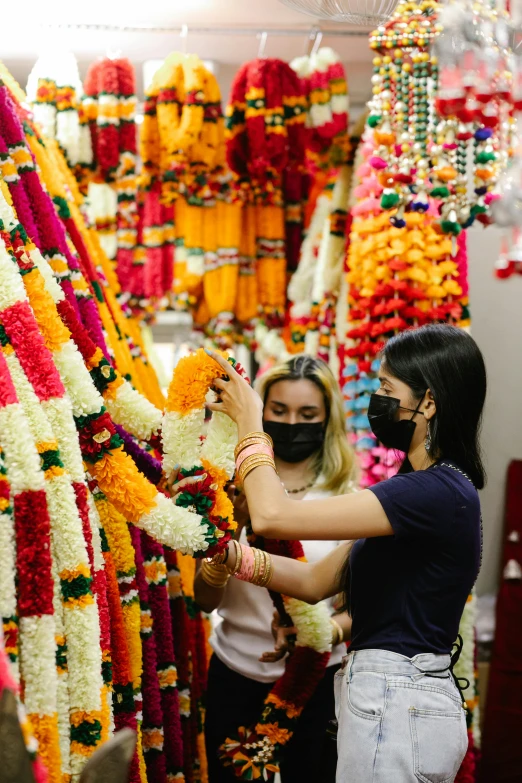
(253, 462)
(214, 575)
(250, 439)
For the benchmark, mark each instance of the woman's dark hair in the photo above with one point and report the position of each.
(448, 362)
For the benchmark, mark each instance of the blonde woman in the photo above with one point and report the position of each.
(303, 413)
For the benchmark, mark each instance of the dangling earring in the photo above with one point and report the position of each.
(427, 442)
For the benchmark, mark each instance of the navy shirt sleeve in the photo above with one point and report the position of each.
(420, 504)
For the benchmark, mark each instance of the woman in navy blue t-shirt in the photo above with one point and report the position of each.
(415, 559)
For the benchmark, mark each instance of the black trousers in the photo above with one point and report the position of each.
(233, 700)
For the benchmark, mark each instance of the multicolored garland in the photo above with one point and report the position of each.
(182, 446)
(34, 574)
(255, 753)
(39, 388)
(324, 84)
(8, 611)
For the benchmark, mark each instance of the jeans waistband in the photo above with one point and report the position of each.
(393, 663)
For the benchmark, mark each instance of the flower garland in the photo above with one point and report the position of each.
(158, 235)
(35, 581)
(152, 726)
(124, 705)
(99, 585)
(324, 84)
(255, 752)
(8, 573)
(127, 406)
(38, 385)
(182, 425)
(155, 570)
(466, 669)
(101, 447)
(54, 88)
(265, 142)
(123, 556)
(192, 662)
(132, 361)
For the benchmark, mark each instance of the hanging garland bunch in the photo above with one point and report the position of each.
(182, 445)
(265, 143)
(54, 89)
(324, 83)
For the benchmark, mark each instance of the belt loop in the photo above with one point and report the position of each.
(351, 658)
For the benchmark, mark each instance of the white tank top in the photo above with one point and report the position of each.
(242, 632)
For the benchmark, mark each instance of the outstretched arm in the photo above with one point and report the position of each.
(272, 513)
(310, 582)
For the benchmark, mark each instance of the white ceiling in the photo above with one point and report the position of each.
(252, 16)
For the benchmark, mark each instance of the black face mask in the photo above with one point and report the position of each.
(295, 442)
(392, 432)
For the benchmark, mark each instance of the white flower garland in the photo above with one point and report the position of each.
(69, 551)
(102, 207)
(182, 444)
(312, 623)
(134, 412)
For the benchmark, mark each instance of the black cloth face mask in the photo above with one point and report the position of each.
(392, 432)
(295, 442)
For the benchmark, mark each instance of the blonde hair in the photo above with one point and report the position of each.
(335, 462)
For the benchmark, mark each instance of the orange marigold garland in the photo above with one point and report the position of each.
(182, 427)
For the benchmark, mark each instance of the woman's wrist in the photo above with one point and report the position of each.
(232, 556)
(250, 421)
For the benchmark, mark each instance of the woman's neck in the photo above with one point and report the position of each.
(419, 458)
(295, 474)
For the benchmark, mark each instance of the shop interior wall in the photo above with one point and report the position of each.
(496, 313)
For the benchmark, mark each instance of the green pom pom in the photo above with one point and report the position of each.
(374, 120)
(449, 227)
(389, 200)
(441, 192)
(486, 157)
(477, 209)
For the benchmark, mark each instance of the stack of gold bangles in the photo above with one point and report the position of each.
(253, 451)
(252, 565)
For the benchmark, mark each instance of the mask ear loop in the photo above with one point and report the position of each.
(416, 411)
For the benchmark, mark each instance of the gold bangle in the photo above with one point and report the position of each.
(214, 575)
(254, 461)
(257, 565)
(253, 458)
(252, 438)
(239, 558)
(337, 632)
(269, 570)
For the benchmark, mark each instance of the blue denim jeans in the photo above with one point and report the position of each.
(400, 720)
